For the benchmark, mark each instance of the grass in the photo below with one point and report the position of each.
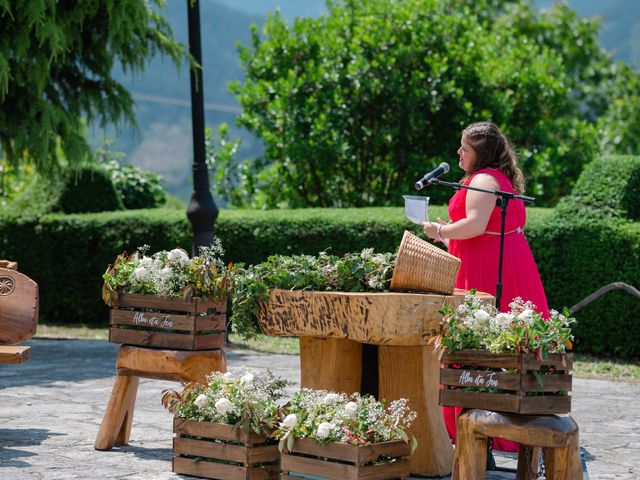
(584, 366)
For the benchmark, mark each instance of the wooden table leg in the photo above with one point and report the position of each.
(116, 423)
(414, 373)
(330, 364)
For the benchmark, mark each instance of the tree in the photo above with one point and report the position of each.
(354, 106)
(56, 58)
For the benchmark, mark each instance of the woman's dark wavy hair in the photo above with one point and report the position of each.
(493, 150)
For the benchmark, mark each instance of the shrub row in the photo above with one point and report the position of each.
(66, 255)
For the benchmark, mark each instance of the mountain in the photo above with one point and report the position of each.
(163, 142)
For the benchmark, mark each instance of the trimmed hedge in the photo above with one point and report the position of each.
(608, 188)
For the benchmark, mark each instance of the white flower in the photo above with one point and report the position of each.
(223, 406)
(526, 315)
(146, 262)
(201, 401)
(503, 319)
(324, 429)
(140, 274)
(178, 256)
(290, 420)
(227, 377)
(246, 379)
(481, 316)
(331, 398)
(351, 408)
(165, 273)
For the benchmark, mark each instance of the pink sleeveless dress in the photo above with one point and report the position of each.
(479, 266)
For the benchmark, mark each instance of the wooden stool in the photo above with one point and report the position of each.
(135, 362)
(557, 435)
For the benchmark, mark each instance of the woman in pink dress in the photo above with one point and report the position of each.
(473, 235)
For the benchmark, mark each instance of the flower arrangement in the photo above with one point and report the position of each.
(241, 398)
(477, 325)
(169, 274)
(354, 272)
(336, 417)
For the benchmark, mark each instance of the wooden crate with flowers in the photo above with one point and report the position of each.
(336, 436)
(222, 429)
(505, 362)
(168, 300)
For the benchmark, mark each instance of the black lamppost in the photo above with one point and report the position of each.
(201, 211)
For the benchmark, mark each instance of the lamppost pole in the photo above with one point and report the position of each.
(201, 211)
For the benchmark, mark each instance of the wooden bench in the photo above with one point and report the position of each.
(556, 435)
(135, 362)
(18, 312)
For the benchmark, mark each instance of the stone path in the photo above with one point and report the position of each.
(51, 408)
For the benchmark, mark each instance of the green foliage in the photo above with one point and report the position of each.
(56, 63)
(609, 188)
(14, 179)
(355, 105)
(137, 188)
(88, 189)
(576, 258)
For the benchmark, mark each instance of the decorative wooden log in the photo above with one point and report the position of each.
(412, 373)
(18, 306)
(330, 364)
(389, 318)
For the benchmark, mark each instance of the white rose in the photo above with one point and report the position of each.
(146, 262)
(223, 406)
(201, 401)
(246, 379)
(140, 274)
(178, 256)
(331, 398)
(351, 408)
(526, 315)
(504, 319)
(481, 316)
(227, 377)
(165, 273)
(324, 429)
(290, 420)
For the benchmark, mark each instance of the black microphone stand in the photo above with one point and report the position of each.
(502, 200)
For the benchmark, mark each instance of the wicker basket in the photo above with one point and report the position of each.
(422, 267)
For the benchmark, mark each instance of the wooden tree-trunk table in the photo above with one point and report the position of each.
(333, 326)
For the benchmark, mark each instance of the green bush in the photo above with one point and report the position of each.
(80, 190)
(136, 188)
(576, 259)
(88, 189)
(609, 187)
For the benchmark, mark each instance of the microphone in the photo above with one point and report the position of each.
(431, 176)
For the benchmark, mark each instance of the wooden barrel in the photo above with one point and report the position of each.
(18, 306)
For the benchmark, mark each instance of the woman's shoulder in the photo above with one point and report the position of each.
(485, 178)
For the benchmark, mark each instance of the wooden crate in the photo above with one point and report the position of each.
(337, 461)
(214, 450)
(517, 391)
(172, 323)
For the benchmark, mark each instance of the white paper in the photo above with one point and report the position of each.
(416, 208)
